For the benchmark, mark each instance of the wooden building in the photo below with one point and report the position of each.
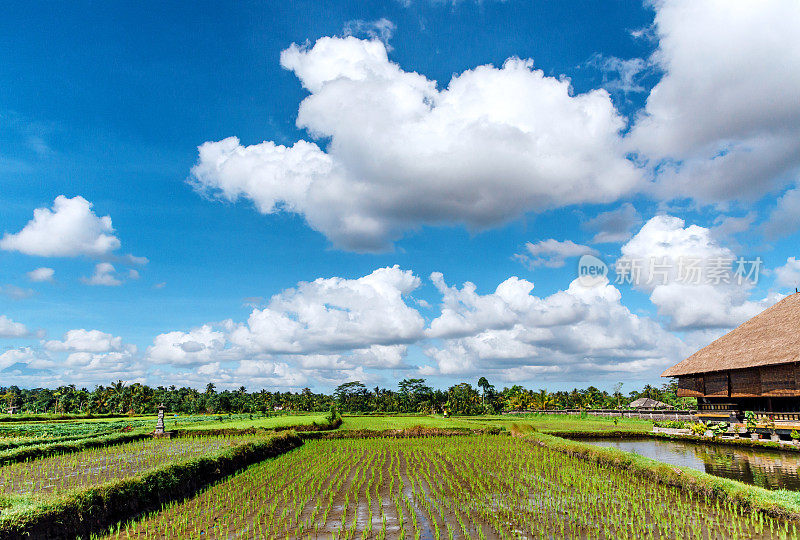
(755, 367)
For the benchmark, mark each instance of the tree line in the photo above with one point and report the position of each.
(411, 396)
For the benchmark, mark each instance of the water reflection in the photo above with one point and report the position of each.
(769, 469)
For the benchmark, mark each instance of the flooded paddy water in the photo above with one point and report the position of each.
(772, 469)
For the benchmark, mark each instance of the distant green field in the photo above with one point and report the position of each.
(564, 423)
(45, 430)
(12, 432)
(545, 423)
(258, 423)
(42, 431)
(380, 423)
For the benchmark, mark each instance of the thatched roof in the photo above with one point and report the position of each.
(771, 337)
(647, 403)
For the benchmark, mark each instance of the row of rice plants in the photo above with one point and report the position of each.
(455, 487)
(45, 430)
(98, 426)
(61, 473)
(19, 442)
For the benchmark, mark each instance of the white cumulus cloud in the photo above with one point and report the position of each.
(401, 153)
(613, 226)
(104, 274)
(41, 274)
(198, 346)
(784, 219)
(335, 314)
(69, 229)
(552, 253)
(91, 341)
(11, 329)
(724, 120)
(25, 361)
(519, 336)
(788, 275)
(689, 275)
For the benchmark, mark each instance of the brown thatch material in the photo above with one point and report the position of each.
(771, 337)
(648, 403)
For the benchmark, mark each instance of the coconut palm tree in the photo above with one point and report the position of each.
(542, 399)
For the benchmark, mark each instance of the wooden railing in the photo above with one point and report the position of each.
(777, 416)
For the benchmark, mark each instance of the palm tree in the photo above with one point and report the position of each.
(542, 399)
(118, 391)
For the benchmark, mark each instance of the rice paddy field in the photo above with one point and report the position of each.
(564, 423)
(380, 423)
(26, 431)
(445, 487)
(270, 422)
(14, 433)
(51, 476)
(540, 422)
(17, 434)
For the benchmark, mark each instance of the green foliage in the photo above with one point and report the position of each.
(463, 399)
(719, 428)
(567, 424)
(795, 435)
(19, 443)
(750, 420)
(414, 395)
(698, 428)
(674, 424)
(55, 417)
(333, 416)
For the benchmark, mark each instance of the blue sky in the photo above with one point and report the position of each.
(491, 142)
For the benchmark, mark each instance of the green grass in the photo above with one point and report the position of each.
(43, 432)
(54, 430)
(50, 417)
(380, 423)
(551, 423)
(558, 423)
(257, 423)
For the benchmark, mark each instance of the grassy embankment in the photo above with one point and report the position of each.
(774, 503)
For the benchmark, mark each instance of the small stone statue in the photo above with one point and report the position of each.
(160, 421)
